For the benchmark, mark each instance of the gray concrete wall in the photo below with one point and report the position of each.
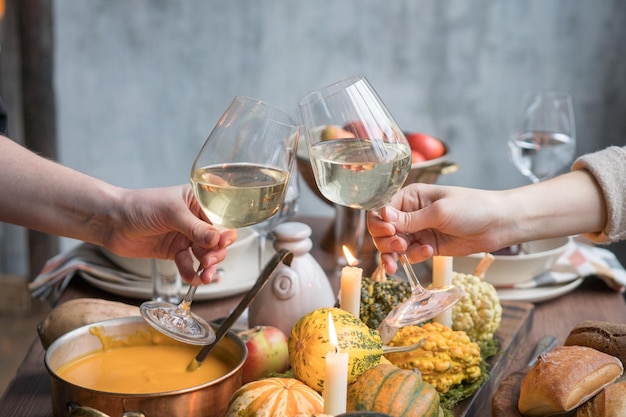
(141, 83)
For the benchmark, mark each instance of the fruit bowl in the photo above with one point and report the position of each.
(506, 270)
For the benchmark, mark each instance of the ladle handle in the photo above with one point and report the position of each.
(282, 256)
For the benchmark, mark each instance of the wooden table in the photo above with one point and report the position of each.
(28, 395)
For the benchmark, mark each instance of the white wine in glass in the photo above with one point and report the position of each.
(360, 173)
(239, 194)
(360, 159)
(239, 178)
(545, 140)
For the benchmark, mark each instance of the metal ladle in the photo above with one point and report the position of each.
(282, 256)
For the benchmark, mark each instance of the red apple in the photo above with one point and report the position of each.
(267, 352)
(427, 145)
(416, 157)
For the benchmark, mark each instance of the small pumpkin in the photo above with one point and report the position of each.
(309, 343)
(398, 392)
(275, 397)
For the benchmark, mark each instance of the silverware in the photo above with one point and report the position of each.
(545, 344)
(406, 348)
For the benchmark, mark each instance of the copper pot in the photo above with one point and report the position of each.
(206, 400)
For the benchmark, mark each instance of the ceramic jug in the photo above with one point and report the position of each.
(295, 290)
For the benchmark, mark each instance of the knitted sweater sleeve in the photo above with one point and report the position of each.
(608, 166)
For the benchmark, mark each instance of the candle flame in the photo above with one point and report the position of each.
(352, 261)
(332, 334)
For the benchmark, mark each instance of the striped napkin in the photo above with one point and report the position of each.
(581, 260)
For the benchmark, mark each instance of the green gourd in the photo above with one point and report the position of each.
(388, 389)
(309, 343)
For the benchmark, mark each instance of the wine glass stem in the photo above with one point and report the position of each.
(416, 287)
(185, 305)
(262, 236)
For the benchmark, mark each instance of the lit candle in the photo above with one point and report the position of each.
(350, 294)
(336, 375)
(442, 276)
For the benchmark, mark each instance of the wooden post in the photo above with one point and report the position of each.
(39, 112)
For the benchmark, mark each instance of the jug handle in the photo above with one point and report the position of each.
(285, 283)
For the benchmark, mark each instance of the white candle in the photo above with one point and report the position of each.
(442, 276)
(350, 293)
(336, 375)
(350, 296)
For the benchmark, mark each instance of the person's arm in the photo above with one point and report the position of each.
(43, 195)
(425, 219)
(566, 205)
(162, 223)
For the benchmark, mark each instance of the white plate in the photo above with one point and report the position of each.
(239, 275)
(537, 295)
(246, 241)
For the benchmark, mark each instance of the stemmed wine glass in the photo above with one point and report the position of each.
(545, 140)
(239, 178)
(287, 210)
(360, 159)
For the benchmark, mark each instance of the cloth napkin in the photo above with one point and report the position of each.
(581, 260)
(58, 271)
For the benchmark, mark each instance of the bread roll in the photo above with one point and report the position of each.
(603, 336)
(564, 378)
(610, 402)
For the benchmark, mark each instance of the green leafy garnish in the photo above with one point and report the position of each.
(465, 390)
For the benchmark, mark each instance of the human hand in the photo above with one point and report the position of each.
(425, 220)
(168, 223)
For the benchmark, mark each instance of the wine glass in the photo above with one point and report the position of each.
(360, 159)
(545, 140)
(287, 210)
(239, 178)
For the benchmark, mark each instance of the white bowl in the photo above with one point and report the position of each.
(246, 241)
(536, 257)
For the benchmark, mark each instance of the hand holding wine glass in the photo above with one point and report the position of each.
(360, 159)
(239, 178)
(545, 140)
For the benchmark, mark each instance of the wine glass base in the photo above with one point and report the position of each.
(423, 307)
(177, 323)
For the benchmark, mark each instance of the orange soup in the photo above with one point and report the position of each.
(141, 369)
(143, 363)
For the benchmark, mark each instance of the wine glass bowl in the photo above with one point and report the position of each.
(544, 142)
(360, 158)
(287, 210)
(427, 172)
(239, 179)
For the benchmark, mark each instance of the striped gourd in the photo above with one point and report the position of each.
(393, 391)
(275, 397)
(309, 343)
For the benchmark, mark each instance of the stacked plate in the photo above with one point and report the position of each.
(238, 272)
(541, 270)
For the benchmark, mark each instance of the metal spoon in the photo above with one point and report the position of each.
(405, 348)
(282, 256)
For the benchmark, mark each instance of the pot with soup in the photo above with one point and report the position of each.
(124, 367)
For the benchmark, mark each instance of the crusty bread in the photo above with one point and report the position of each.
(603, 336)
(610, 402)
(564, 378)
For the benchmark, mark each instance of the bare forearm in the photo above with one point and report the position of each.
(43, 195)
(563, 206)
